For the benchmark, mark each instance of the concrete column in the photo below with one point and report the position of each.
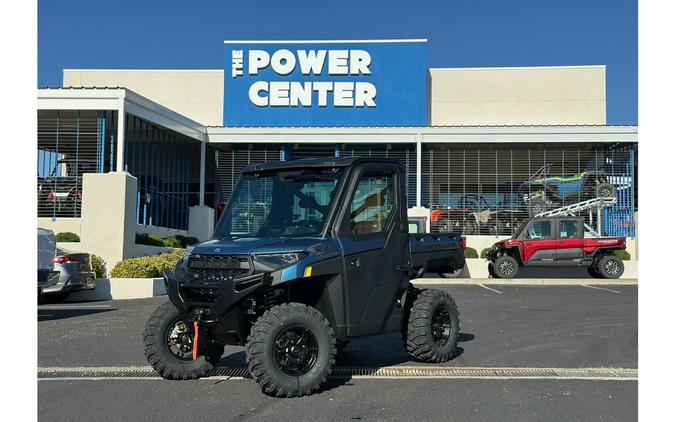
(121, 121)
(202, 172)
(418, 173)
(108, 223)
(201, 222)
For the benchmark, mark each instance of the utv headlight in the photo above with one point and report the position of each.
(280, 260)
(187, 253)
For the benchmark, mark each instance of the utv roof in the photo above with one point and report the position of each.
(316, 163)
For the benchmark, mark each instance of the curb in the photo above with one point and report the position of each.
(528, 281)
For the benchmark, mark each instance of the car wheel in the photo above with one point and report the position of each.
(291, 350)
(610, 266)
(168, 346)
(431, 327)
(506, 266)
(605, 190)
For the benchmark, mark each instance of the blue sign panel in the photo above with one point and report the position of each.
(325, 83)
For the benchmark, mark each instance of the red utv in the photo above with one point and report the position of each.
(556, 242)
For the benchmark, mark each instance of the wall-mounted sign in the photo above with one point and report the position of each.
(325, 83)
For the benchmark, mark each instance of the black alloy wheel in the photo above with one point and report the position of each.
(441, 323)
(179, 340)
(295, 350)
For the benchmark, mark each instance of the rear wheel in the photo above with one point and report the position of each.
(593, 271)
(432, 325)
(610, 266)
(505, 266)
(168, 346)
(291, 350)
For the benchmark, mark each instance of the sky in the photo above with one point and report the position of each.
(172, 34)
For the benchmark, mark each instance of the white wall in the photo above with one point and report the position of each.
(196, 94)
(518, 96)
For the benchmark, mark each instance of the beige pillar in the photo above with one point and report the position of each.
(201, 222)
(108, 223)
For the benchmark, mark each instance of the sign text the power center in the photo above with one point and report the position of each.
(291, 93)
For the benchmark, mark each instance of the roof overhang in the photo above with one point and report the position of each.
(426, 134)
(116, 99)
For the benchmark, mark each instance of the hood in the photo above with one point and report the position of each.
(259, 245)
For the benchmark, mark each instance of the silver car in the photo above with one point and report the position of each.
(75, 274)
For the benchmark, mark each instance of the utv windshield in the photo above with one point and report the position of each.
(281, 204)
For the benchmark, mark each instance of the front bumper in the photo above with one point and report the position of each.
(213, 304)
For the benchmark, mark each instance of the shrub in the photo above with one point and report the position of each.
(98, 265)
(470, 253)
(484, 252)
(146, 266)
(622, 255)
(147, 239)
(175, 241)
(67, 237)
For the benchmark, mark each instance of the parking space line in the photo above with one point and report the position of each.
(491, 289)
(600, 288)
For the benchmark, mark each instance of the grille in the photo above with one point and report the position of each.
(218, 267)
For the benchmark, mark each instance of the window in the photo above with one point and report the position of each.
(569, 229)
(372, 203)
(280, 204)
(539, 230)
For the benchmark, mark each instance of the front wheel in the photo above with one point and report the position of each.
(291, 350)
(505, 266)
(168, 346)
(432, 325)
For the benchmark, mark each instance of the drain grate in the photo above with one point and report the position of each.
(384, 372)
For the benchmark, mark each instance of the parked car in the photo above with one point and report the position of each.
(46, 273)
(556, 242)
(75, 273)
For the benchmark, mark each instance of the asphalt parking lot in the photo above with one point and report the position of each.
(502, 326)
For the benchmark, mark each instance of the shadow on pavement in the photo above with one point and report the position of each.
(49, 314)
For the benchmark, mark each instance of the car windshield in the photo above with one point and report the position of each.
(280, 204)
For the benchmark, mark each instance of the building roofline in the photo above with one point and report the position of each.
(143, 70)
(581, 66)
(412, 40)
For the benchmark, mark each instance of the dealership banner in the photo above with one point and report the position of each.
(325, 83)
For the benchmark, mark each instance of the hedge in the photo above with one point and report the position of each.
(98, 265)
(175, 241)
(484, 252)
(470, 253)
(622, 255)
(67, 237)
(146, 266)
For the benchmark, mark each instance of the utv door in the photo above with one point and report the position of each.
(539, 243)
(570, 241)
(372, 231)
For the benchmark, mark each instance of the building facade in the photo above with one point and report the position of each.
(482, 148)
